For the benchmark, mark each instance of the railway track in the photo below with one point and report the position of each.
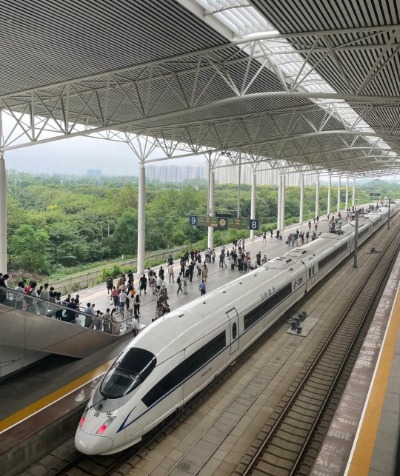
(78, 464)
(289, 443)
(118, 464)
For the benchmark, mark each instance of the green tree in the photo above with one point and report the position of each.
(30, 248)
(125, 234)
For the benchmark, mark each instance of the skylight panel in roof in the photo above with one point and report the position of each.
(247, 22)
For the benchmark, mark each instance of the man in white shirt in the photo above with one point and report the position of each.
(159, 282)
(122, 300)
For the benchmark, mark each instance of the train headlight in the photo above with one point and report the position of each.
(105, 425)
(83, 418)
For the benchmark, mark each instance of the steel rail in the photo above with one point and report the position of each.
(278, 423)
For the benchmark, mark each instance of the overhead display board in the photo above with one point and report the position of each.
(224, 222)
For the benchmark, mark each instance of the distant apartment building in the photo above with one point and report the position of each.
(94, 173)
(175, 173)
(225, 172)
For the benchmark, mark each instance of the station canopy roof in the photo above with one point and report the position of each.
(309, 84)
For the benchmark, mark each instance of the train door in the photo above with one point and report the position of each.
(233, 329)
(312, 269)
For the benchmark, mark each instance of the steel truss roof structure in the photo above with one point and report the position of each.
(165, 71)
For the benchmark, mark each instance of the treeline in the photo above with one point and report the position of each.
(57, 223)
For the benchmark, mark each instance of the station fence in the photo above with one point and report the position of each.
(88, 279)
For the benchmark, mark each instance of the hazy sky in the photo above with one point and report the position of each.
(74, 156)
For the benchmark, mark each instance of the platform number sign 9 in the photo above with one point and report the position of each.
(193, 220)
(254, 224)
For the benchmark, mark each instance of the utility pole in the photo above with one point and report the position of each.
(356, 241)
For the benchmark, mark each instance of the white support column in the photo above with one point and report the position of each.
(317, 196)
(239, 183)
(278, 212)
(347, 194)
(210, 203)
(3, 205)
(141, 219)
(338, 195)
(253, 201)
(301, 213)
(281, 204)
(353, 198)
(142, 147)
(3, 215)
(328, 211)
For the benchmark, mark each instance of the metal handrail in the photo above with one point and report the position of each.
(51, 309)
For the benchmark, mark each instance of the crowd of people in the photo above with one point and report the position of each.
(123, 312)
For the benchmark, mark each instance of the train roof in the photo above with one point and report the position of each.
(194, 318)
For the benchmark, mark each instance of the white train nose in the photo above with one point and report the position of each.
(92, 444)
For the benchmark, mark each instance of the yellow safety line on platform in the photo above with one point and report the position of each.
(52, 398)
(367, 433)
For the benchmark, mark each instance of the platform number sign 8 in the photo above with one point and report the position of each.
(253, 224)
(193, 220)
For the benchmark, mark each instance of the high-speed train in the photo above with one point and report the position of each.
(179, 354)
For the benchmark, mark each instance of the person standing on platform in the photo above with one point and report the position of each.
(159, 282)
(114, 297)
(183, 264)
(116, 324)
(171, 272)
(143, 284)
(202, 287)
(264, 237)
(222, 260)
(122, 300)
(3, 286)
(107, 325)
(135, 326)
(204, 272)
(191, 270)
(179, 283)
(136, 305)
(109, 285)
(19, 297)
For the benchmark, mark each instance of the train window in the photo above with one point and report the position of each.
(129, 370)
(332, 256)
(262, 309)
(363, 231)
(185, 369)
(234, 330)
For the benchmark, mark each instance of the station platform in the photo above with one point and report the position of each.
(364, 434)
(43, 401)
(44, 406)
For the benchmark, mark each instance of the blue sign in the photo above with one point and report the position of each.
(193, 220)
